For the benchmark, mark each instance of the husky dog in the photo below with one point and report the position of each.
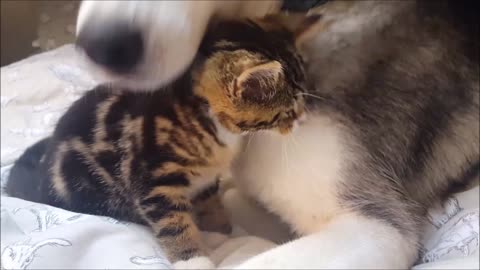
(393, 127)
(393, 117)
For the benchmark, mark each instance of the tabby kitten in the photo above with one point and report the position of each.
(151, 158)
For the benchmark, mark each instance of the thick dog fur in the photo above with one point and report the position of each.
(393, 126)
(393, 120)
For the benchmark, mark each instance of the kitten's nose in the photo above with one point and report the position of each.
(117, 48)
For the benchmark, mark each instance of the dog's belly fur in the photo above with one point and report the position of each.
(296, 177)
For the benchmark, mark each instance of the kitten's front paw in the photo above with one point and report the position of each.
(195, 263)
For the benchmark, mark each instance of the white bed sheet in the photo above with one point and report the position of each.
(37, 90)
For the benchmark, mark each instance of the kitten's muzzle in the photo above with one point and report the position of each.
(293, 119)
(287, 125)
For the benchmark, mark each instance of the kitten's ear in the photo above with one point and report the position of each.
(306, 25)
(302, 26)
(259, 83)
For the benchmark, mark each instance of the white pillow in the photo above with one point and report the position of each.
(34, 94)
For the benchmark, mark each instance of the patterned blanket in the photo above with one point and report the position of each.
(34, 94)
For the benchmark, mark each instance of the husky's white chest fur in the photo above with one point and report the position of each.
(295, 176)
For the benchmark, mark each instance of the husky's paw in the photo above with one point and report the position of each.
(195, 263)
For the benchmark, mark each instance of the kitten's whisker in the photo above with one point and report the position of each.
(311, 95)
(283, 157)
(284, 150)
(249, 140)
(294, 138)
(286, 156)
(285, 144)
(307, 110)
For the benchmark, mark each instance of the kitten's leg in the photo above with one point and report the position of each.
(209, 211)
(169, 213)
(350, 241)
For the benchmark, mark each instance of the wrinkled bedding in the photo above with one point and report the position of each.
(37, 90)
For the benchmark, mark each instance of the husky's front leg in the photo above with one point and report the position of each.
(349, 241)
